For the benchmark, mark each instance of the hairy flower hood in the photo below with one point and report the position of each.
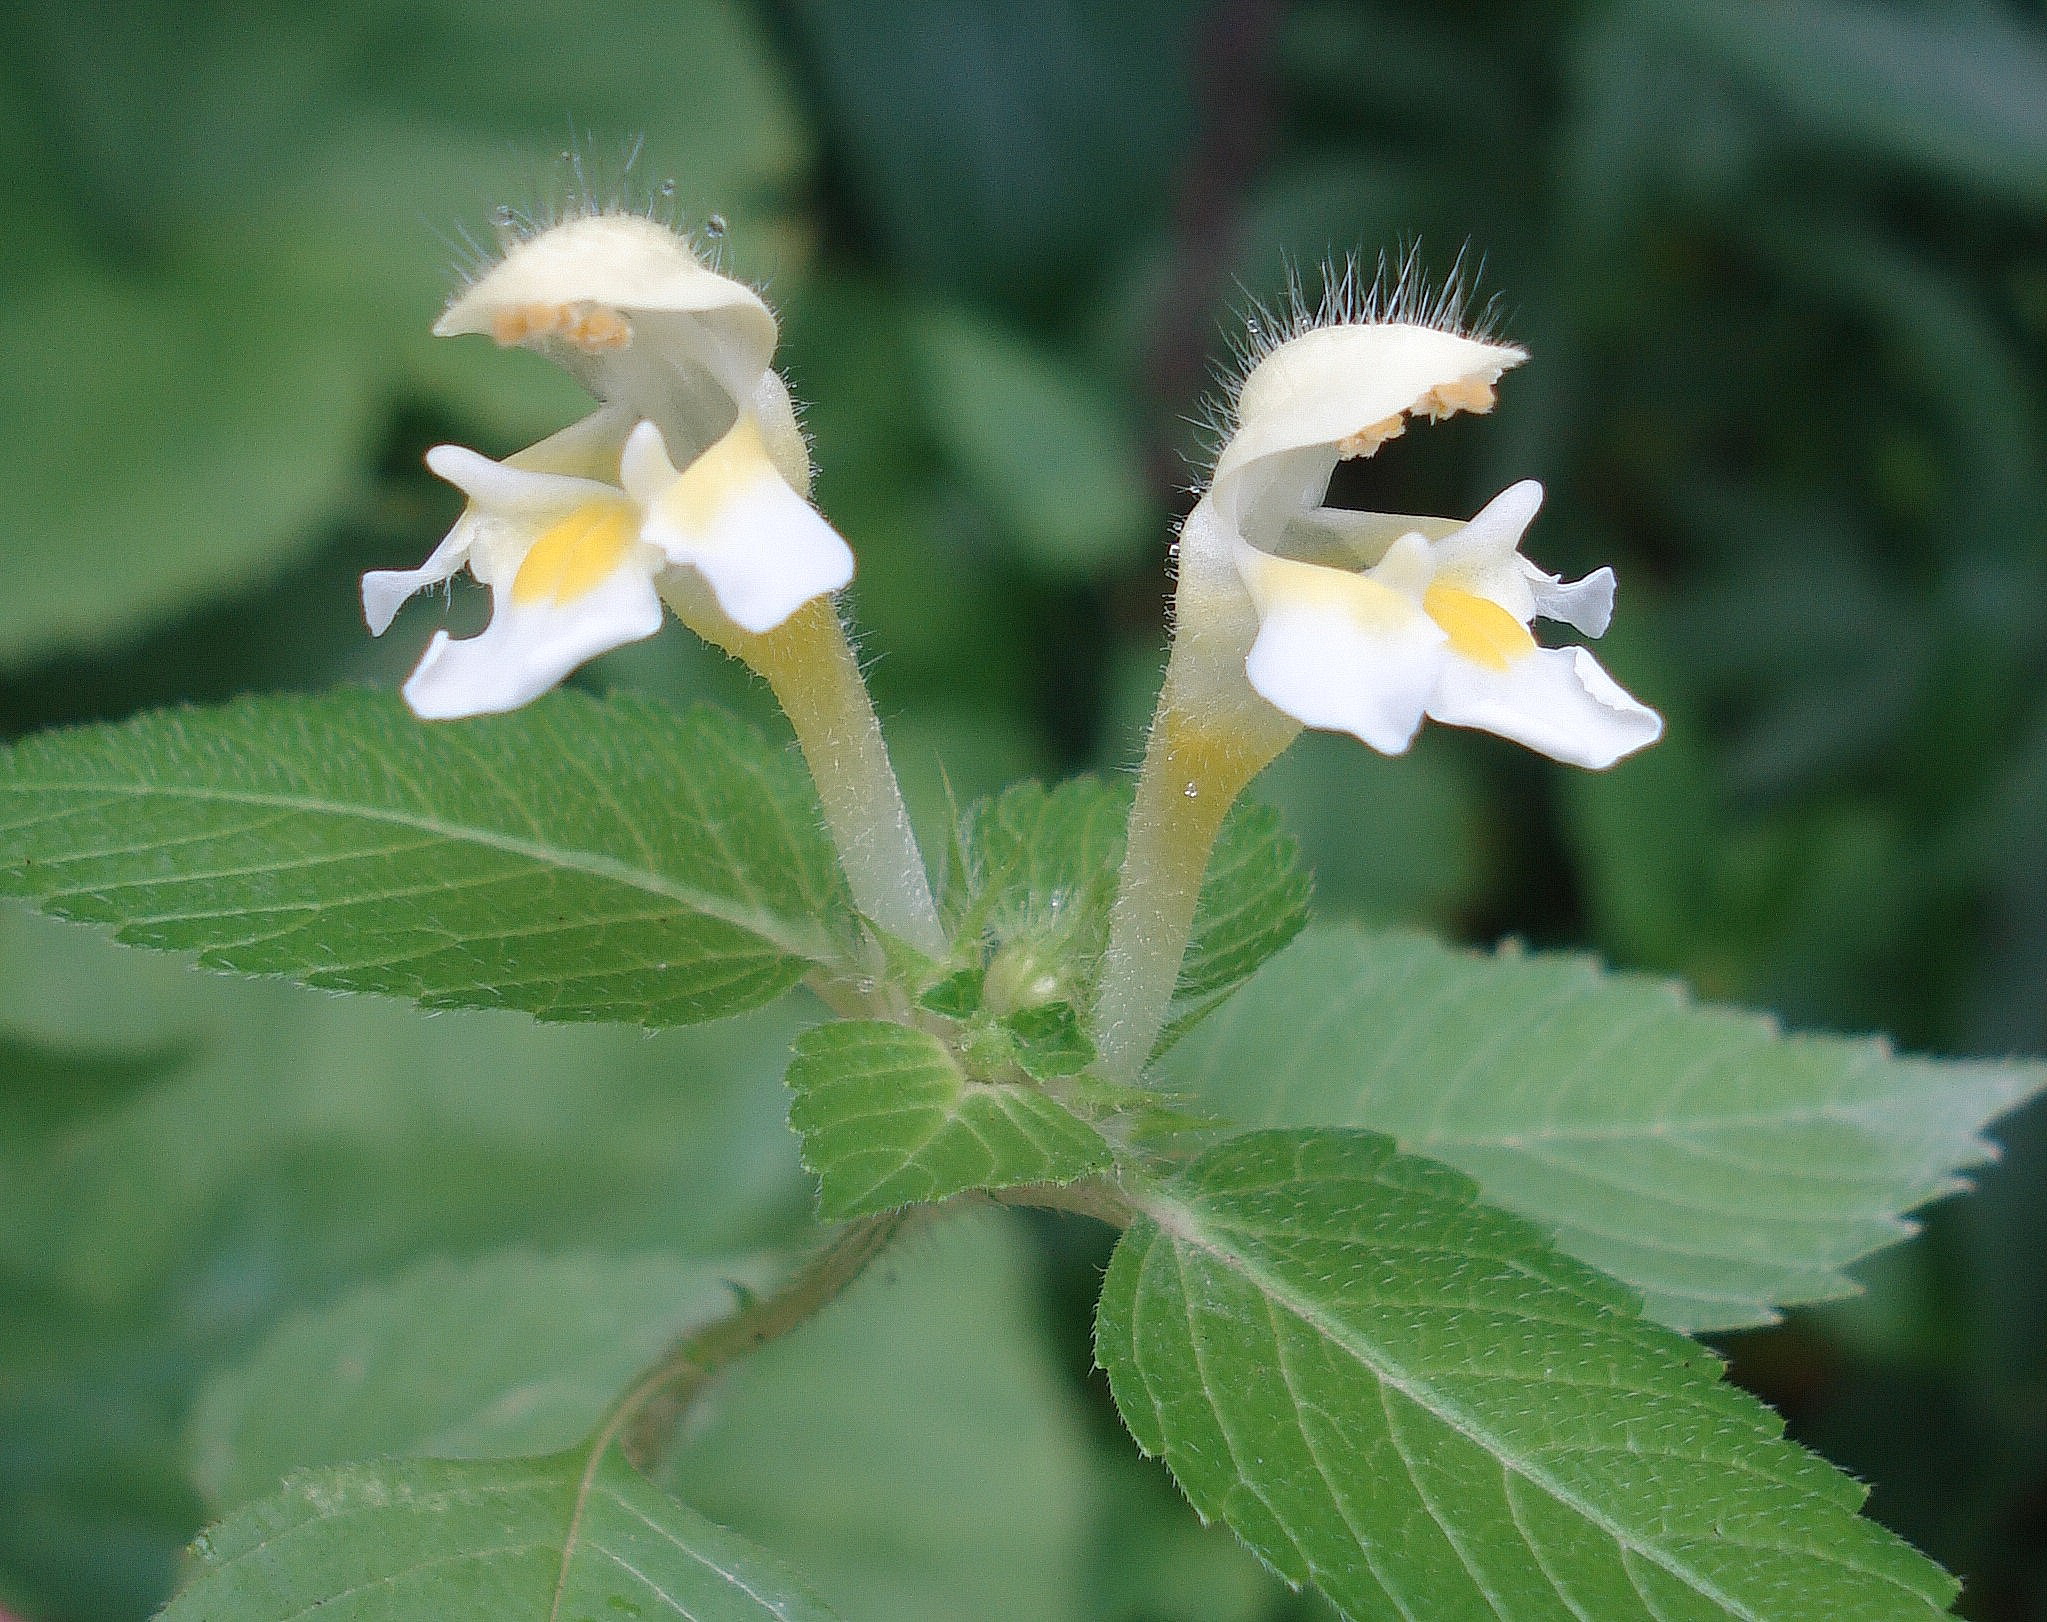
(625, 306)
(688, 482)
(1367, 622)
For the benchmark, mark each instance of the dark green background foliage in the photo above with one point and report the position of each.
(1782, 270)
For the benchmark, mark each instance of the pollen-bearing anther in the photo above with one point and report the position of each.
(588, 326)
(1370, 437)
(1462, 394)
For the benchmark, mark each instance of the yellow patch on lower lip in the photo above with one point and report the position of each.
(709, 484)
(1478, 628)
(576, 555)
(1370, 605)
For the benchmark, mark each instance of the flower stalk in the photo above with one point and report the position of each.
(810, 665)
(1195, 767)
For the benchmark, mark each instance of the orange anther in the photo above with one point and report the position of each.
(1465, 394)
(1370, 437)
(518, 322)
(596, 327)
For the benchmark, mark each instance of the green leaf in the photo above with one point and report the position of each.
(1720, 1167)
(512, 1354)
(1416, 1404)
(580, 859)
(1038, 866)
(1035, 861)
(920, 1450)
(1042, 445)
(889, 1117)
(957, 996)
(1048, 1041)
(562, 1537)
(1254, 901)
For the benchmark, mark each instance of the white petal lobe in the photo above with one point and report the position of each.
(511, 491)
(1585, 605)
(528, 647)
(764, 554)
(1317, 663)
(385, 591)
(1557, 701)
(644, 468)
(1495, 531)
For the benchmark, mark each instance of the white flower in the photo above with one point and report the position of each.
(1366, 622)
(692, 470)
(730, 515)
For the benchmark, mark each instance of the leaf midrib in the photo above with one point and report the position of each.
(815, 948)
(1181, 1223)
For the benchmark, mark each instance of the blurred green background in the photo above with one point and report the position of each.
(1783, 268)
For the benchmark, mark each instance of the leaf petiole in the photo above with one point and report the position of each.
(645, 1418)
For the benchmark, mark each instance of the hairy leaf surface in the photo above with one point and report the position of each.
(559, 1539)
(1417, 1404)
(580, 859)
(888, 1117)
(1721, 1167)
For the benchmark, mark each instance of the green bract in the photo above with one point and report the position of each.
(889, 1116)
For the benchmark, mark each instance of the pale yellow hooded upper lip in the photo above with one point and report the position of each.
(1350, 387)
(625, 261)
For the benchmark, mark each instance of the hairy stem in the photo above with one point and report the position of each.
(1094, 1197)
(815, 675)
(647, 1415)
(1193, 771)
